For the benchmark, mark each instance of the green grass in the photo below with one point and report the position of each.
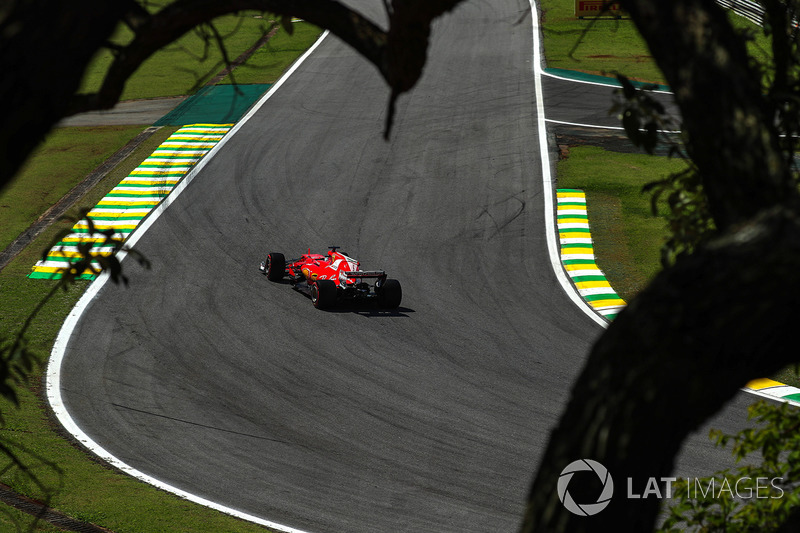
(65, 158)
(268, 63)
(185, 66)
(627, 236)
(606, 46)
(602, 46)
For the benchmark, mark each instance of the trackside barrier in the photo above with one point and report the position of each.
(124, 207)
(752, 11)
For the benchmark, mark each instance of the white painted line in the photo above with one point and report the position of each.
(585, 272)
(547, 181)
(53, 381)
(770, 397)
(576, 241)
(574, 225)
(599, 291)
(598, 127)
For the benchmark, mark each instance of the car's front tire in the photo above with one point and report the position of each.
(275, 266)
(323, 294)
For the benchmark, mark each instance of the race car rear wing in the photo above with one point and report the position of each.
(366, 274)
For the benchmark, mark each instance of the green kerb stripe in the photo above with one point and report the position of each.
(578, 262)
(595, 297)
(86, 230)
(578, 279)
(100, 242)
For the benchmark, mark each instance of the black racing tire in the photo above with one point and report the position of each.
(275, 266)
(390, 294)
(323, 294)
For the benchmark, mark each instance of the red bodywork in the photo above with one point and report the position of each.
(335, 266)
(333, 277)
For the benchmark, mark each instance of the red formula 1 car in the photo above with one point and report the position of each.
(332, 278)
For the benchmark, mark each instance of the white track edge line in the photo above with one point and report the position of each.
(596, 126)
(770, 397)
(547, 182)
(53, 378)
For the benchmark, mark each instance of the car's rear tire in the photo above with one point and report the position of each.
(390, 294)
(323, 294)
(275, 266)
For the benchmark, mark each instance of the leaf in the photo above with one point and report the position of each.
(628, 89)
(287, 24)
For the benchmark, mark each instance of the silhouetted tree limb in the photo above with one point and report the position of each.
(670, 360)
(49, 54)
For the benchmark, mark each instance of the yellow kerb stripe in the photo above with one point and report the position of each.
(763, 383)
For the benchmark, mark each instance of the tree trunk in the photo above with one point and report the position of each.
(724, 315)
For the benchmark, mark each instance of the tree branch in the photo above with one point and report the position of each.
(30, 100)
(180, 16)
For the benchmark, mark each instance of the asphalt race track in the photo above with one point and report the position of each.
(205, 375)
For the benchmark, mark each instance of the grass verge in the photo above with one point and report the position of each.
(65, 158)
(602, 46)
(606, 46)
(267, 63)
(627, 236)
(186, 65)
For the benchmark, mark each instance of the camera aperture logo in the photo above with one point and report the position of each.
(586, 486)
(585, 509)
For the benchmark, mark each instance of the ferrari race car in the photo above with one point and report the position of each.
(334, 277)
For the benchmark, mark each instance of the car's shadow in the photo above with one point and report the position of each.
(368, 309)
